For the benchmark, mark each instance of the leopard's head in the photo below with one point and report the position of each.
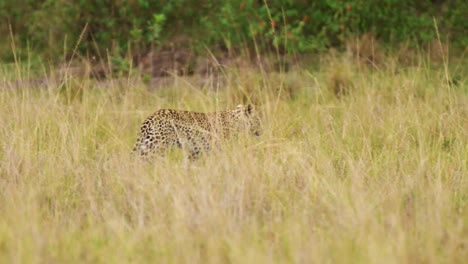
(249, 119)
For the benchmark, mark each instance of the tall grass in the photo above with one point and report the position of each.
(376, 175)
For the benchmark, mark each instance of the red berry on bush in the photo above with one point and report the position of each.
(348, 8)
(273, 24)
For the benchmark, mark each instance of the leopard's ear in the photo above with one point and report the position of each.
(250, 108)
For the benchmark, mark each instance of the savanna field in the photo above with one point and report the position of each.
(356, 164)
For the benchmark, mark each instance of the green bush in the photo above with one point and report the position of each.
(119, 26)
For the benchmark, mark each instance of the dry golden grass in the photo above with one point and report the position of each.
(378, 175)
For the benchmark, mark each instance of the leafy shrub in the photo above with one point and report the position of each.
(119, 27)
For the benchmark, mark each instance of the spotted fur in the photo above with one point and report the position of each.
(193, 132)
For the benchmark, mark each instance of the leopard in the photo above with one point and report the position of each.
(196, 133)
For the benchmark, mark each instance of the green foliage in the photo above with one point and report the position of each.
(294, 26)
